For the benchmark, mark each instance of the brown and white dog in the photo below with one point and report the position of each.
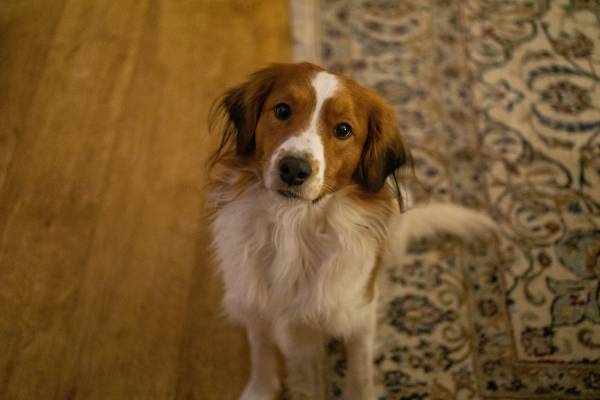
(303, 219)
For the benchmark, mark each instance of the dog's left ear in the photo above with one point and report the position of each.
(384, 150)
(241, 107)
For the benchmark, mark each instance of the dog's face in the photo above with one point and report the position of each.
(310, 132)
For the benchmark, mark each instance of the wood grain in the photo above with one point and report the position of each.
(106, 286)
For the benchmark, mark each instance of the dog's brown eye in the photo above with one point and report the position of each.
(282, 111)
(343, 131)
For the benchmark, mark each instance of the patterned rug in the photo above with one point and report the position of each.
(500, 100)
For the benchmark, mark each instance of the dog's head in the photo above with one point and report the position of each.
(309, 132)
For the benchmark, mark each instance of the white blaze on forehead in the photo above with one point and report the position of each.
(309, 142)
(325, 85)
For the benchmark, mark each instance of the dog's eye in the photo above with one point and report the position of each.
(282, 111)
(343, 131)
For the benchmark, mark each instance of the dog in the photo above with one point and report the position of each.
(305, 213)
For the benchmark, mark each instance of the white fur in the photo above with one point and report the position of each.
(308, 142)
(295, 261)
(300, 269)
(424, 221)
(297, 272)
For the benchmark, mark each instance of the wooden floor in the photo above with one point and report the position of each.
(106, 289)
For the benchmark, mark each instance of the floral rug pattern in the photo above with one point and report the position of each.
(500, 100)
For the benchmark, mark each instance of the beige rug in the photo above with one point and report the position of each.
(500, 101)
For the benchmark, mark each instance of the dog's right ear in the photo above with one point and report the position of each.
(242, 106)
(385, 150)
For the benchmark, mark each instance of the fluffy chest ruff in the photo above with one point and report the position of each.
(293, 261)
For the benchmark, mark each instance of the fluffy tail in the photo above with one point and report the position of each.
(421, 222)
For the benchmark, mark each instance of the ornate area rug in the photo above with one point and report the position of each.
(500, 100)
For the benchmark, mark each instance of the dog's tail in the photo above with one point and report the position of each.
(425, 221)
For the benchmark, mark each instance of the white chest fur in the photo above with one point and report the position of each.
(297, 261)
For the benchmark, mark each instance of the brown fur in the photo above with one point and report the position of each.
(240, 111)
(384, 151)
(372, 284)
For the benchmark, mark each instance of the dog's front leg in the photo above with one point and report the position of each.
(264, 380)
(303, 350)
(359, 347)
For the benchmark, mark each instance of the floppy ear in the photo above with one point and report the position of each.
(384, 150)
(242, 106)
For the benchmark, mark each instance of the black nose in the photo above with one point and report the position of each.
(294, 171)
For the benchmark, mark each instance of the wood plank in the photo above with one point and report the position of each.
(107, 288)
(53, 190)
(21, 66)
